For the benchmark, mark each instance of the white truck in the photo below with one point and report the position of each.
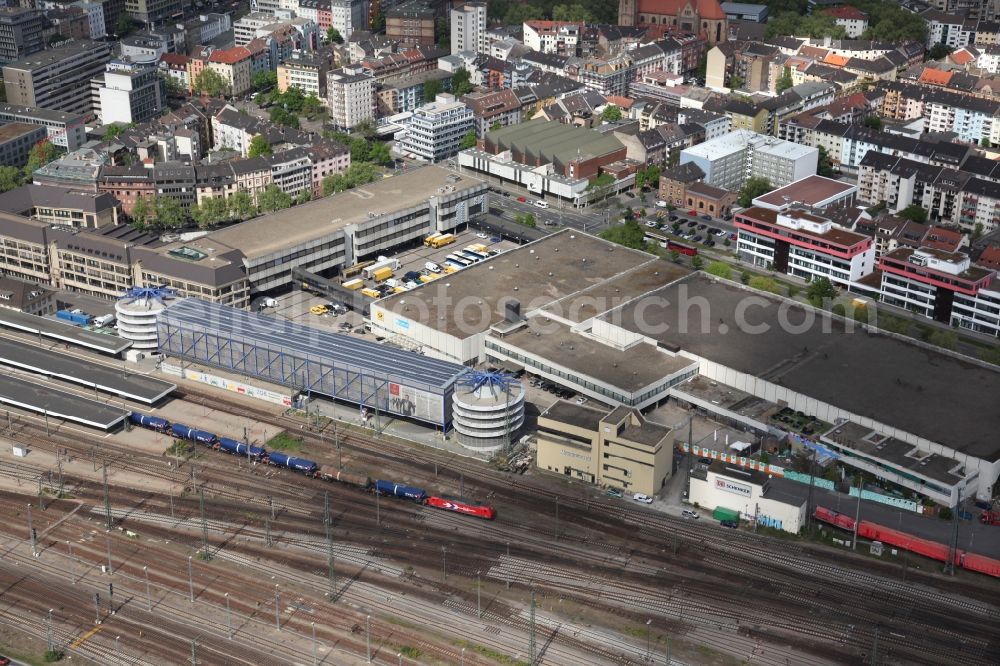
(382, 262)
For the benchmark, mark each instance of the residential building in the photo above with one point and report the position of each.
(94, 11)
(562, 37)
(493, 109)
(468, 28)
(53, 205)
(674, 182)
(57, 79)
(21, 33)
(740, 11)
(934, 282)
(803, 244)
(27, 297)
(346, 16)
(65, 130)
(234, 67)
(411, 23)
(69, 22)
(128, 92)
(178, 68)
(153, 11)
(617, 448)
(435, 131)
(729, 160)
(17, 140)
(853, 20)
(305, 72)
(127, 184)
(351, 94)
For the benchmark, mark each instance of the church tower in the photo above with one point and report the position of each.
(626, 12)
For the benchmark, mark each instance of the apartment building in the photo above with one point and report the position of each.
(351, 95)
(235, 68)
(562, 37)
(305, 72)
(128, 92)
(804, 244)
(152, 12)
(435, 131)
(22, 32)
(493, 109)
(730, 159)
(468, 28)
(346, 16)
(57, 79)
(411, 23)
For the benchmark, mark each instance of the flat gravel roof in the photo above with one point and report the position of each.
(78, 371)
(57, 330)
(341, 350)
(59, 404)
(934, 395)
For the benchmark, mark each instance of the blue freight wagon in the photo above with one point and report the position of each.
(240, 448)
(298, 464)
(399, 490)
(187, 432)
(147, 421)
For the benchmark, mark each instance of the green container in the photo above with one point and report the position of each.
(722, 513)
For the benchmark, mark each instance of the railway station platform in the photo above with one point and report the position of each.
(62, 332)
(59, 404)
(71, 369)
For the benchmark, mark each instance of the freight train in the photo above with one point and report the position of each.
(926, 547)
(308, 467)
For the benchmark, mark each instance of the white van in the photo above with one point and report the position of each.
(541, 204)
(432, 267)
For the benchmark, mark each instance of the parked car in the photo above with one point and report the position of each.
(432, 267)
(645, 499)
(522, 199)
(495, 239)
(614, 492)
(692, 212)
(702, 227)
(732, 236)
(692, 224)
(688, 513)
(709, 242)
(319, 309)
(652, 223)
(541, 204)
(715, 231)
(707, 218)
(672, 218)
(482, 234)
(697, 239)
(661, 204)
(705, 461)
(412, 276)
(581, 400)
(732, 524)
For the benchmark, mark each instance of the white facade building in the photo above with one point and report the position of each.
(435, 131)
(95, 18)
(348, 16)
(729, 160)
(351, 94)
(750, 493)
(468, 28)
(129, 93)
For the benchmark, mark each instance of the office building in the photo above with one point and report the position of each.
(938, 284)
(729, 160)
(65, 130)
(21, 33)
(128, 92)
(154, 11)
(351, 94)
(57, 79)
(468, 28)
(17, 140)
(435, 131)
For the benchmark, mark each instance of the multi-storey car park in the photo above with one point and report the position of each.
(626, 328)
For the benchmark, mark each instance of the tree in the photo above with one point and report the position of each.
(914, 213)
(39, 156)
(824, 167)
(939, 52)
(366, 128)
(754, 187)
(575, 12)
(526, 220)
(141, 213)
(359, 173)
(211, 83)
(874, 122)
(169, 213)
(333, 36)
(675, 256)
(210, 212)
(279, 116)
(460, 82)
(264, 80)
(273, 198)
(985, 143)
(611, 114)
(648, 177)
(496, 125)
(977, 230)
(468, 141)
(124, 25)
(736, 81)
(820, 290)
(629, 234)
(312, 107)
(10, 177)
(259, 146)
(173, 87)
(379, 153)
(697, 262)
(720, 269)
(241, 205)
(432, 88)
(378, 22)
(334, 183)
(785, 82)
(360, 149)
(305, 196)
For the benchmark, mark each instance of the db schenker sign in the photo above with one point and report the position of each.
(732, 487)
